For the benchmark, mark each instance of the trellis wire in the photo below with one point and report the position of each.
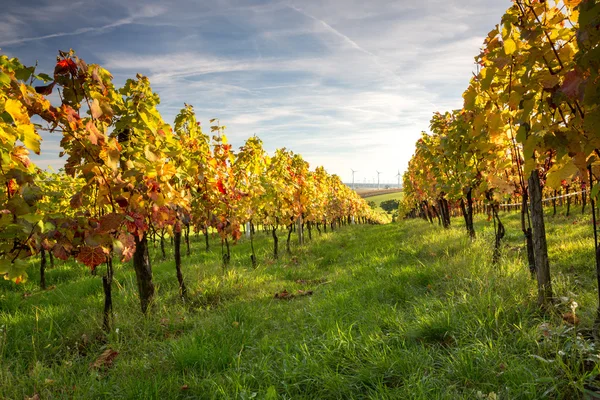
(548, 199)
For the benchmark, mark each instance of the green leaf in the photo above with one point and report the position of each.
(24, 73)
(560, 172)
(487, 75)
(43, 77)
(4, 79)
(595, 190)
(17, 206)
(33, 218)
(521, 134)
(470, 96)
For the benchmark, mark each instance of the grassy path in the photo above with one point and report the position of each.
(397, 311)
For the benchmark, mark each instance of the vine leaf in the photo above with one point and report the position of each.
(509, 46)
(110, 222)
(95, 109)
(572, 86)
(91, 256)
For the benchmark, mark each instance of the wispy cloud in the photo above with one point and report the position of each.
(145, 12)
(337, 33)
(346, 83)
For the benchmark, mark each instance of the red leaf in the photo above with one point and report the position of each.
(76, 200)
(45, 90)
(136, 224)
(128, 242)
(71, 115)
(12, 187)
(572, 86)
(65, 66)
(62, 250)
(91, 256)
(221, 187)
(110, 222)
(122, 201)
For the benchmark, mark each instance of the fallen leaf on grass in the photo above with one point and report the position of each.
(285, 295)
(312, 281)
(185, 387)
(570, 318)
(105, 360)
(34, 397)
(173, 335)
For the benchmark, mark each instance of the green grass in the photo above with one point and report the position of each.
(401, 311)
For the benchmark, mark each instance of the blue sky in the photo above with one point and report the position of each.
(347, 84)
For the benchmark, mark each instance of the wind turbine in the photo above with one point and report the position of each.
(398, 176)
(378, 179)
(353, 171)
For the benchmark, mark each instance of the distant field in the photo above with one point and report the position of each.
(384, 197)
(364, 193)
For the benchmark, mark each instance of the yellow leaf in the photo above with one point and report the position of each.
(168, 171)
(574, 17)
(572, 3)
(509, 46)
(150, 155)
(495, 121)
(16, 111)
(514, 100)
(30, 138)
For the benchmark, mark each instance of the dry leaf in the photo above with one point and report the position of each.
(105, 360)
(570, 318)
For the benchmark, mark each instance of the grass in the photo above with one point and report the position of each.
(399, 311)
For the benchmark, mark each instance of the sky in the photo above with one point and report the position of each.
(347, 84)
